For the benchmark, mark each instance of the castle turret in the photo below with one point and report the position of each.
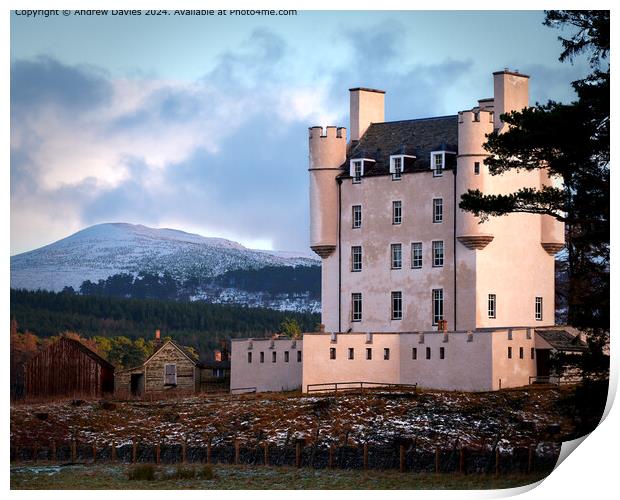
(551, 229)
(471, 173)
(511, 90)
(327, 153)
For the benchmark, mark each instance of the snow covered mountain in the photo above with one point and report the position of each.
(103, 250)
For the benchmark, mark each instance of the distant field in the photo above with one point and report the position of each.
(98, 477)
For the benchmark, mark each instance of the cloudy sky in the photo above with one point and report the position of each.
(200, 123)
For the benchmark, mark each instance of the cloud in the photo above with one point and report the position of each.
(216, 153)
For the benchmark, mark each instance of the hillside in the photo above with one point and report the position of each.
(190, 262)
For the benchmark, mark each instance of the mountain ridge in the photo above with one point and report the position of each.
(103, 250)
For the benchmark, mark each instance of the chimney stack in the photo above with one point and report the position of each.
(157, 336)
(511, 90)
(366, 106)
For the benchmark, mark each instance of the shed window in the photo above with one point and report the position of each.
(170, 374)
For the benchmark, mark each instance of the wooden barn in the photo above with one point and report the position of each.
(67, 368)
(169, 370)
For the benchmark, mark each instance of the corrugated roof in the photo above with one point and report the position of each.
(411, 137)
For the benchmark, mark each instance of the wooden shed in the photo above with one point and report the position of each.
(67, 368)
(169, 370)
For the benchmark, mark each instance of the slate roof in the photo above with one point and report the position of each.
(561, 340)
(411, 137)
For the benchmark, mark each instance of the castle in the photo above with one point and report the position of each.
(414, 289)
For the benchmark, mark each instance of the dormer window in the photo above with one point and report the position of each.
(396, 168)
(438, 163)
(357, 170)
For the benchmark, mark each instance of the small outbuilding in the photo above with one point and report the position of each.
(169, 370)
(68, 368)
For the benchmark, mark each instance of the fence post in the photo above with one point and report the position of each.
(462, 460)
(401, 450)
(437, 461)
(298, 454)
(365, 456)
(496, 461)
(134, 451)
(236, 452)
(331, 456)
(266, 453)
(158, 453)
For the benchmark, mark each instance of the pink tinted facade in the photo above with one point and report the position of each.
(399, 257)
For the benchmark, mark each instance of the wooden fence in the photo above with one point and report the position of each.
(403, 457)
(357, 386)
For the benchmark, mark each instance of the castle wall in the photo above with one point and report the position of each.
(468, 363)
(377, 280)
(514, 371)
(268, 375)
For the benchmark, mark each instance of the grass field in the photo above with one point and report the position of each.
(95, 477)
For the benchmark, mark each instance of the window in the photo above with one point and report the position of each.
(492, 305)
(357, 172)
(369, 353)
(510, 353)
(332, 353)
(414, 353)
(476, 168)
(386, 353)
(357, 216)
(520, 352)
(397, 256)
(416, 255)
(437, 164)
(356, 307)
(442, 353)
(356, 259)
(170, 375)
(539, 309)
(262, 357)
(397, 168)
(274, 356)
(351, 353)
(437, 305)
(397, 212)
(437, 210)
(249, 357)
(397, 305)
(532, 352)
(299, 356)
(437, 253)
(286, 356)
(428, 353)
